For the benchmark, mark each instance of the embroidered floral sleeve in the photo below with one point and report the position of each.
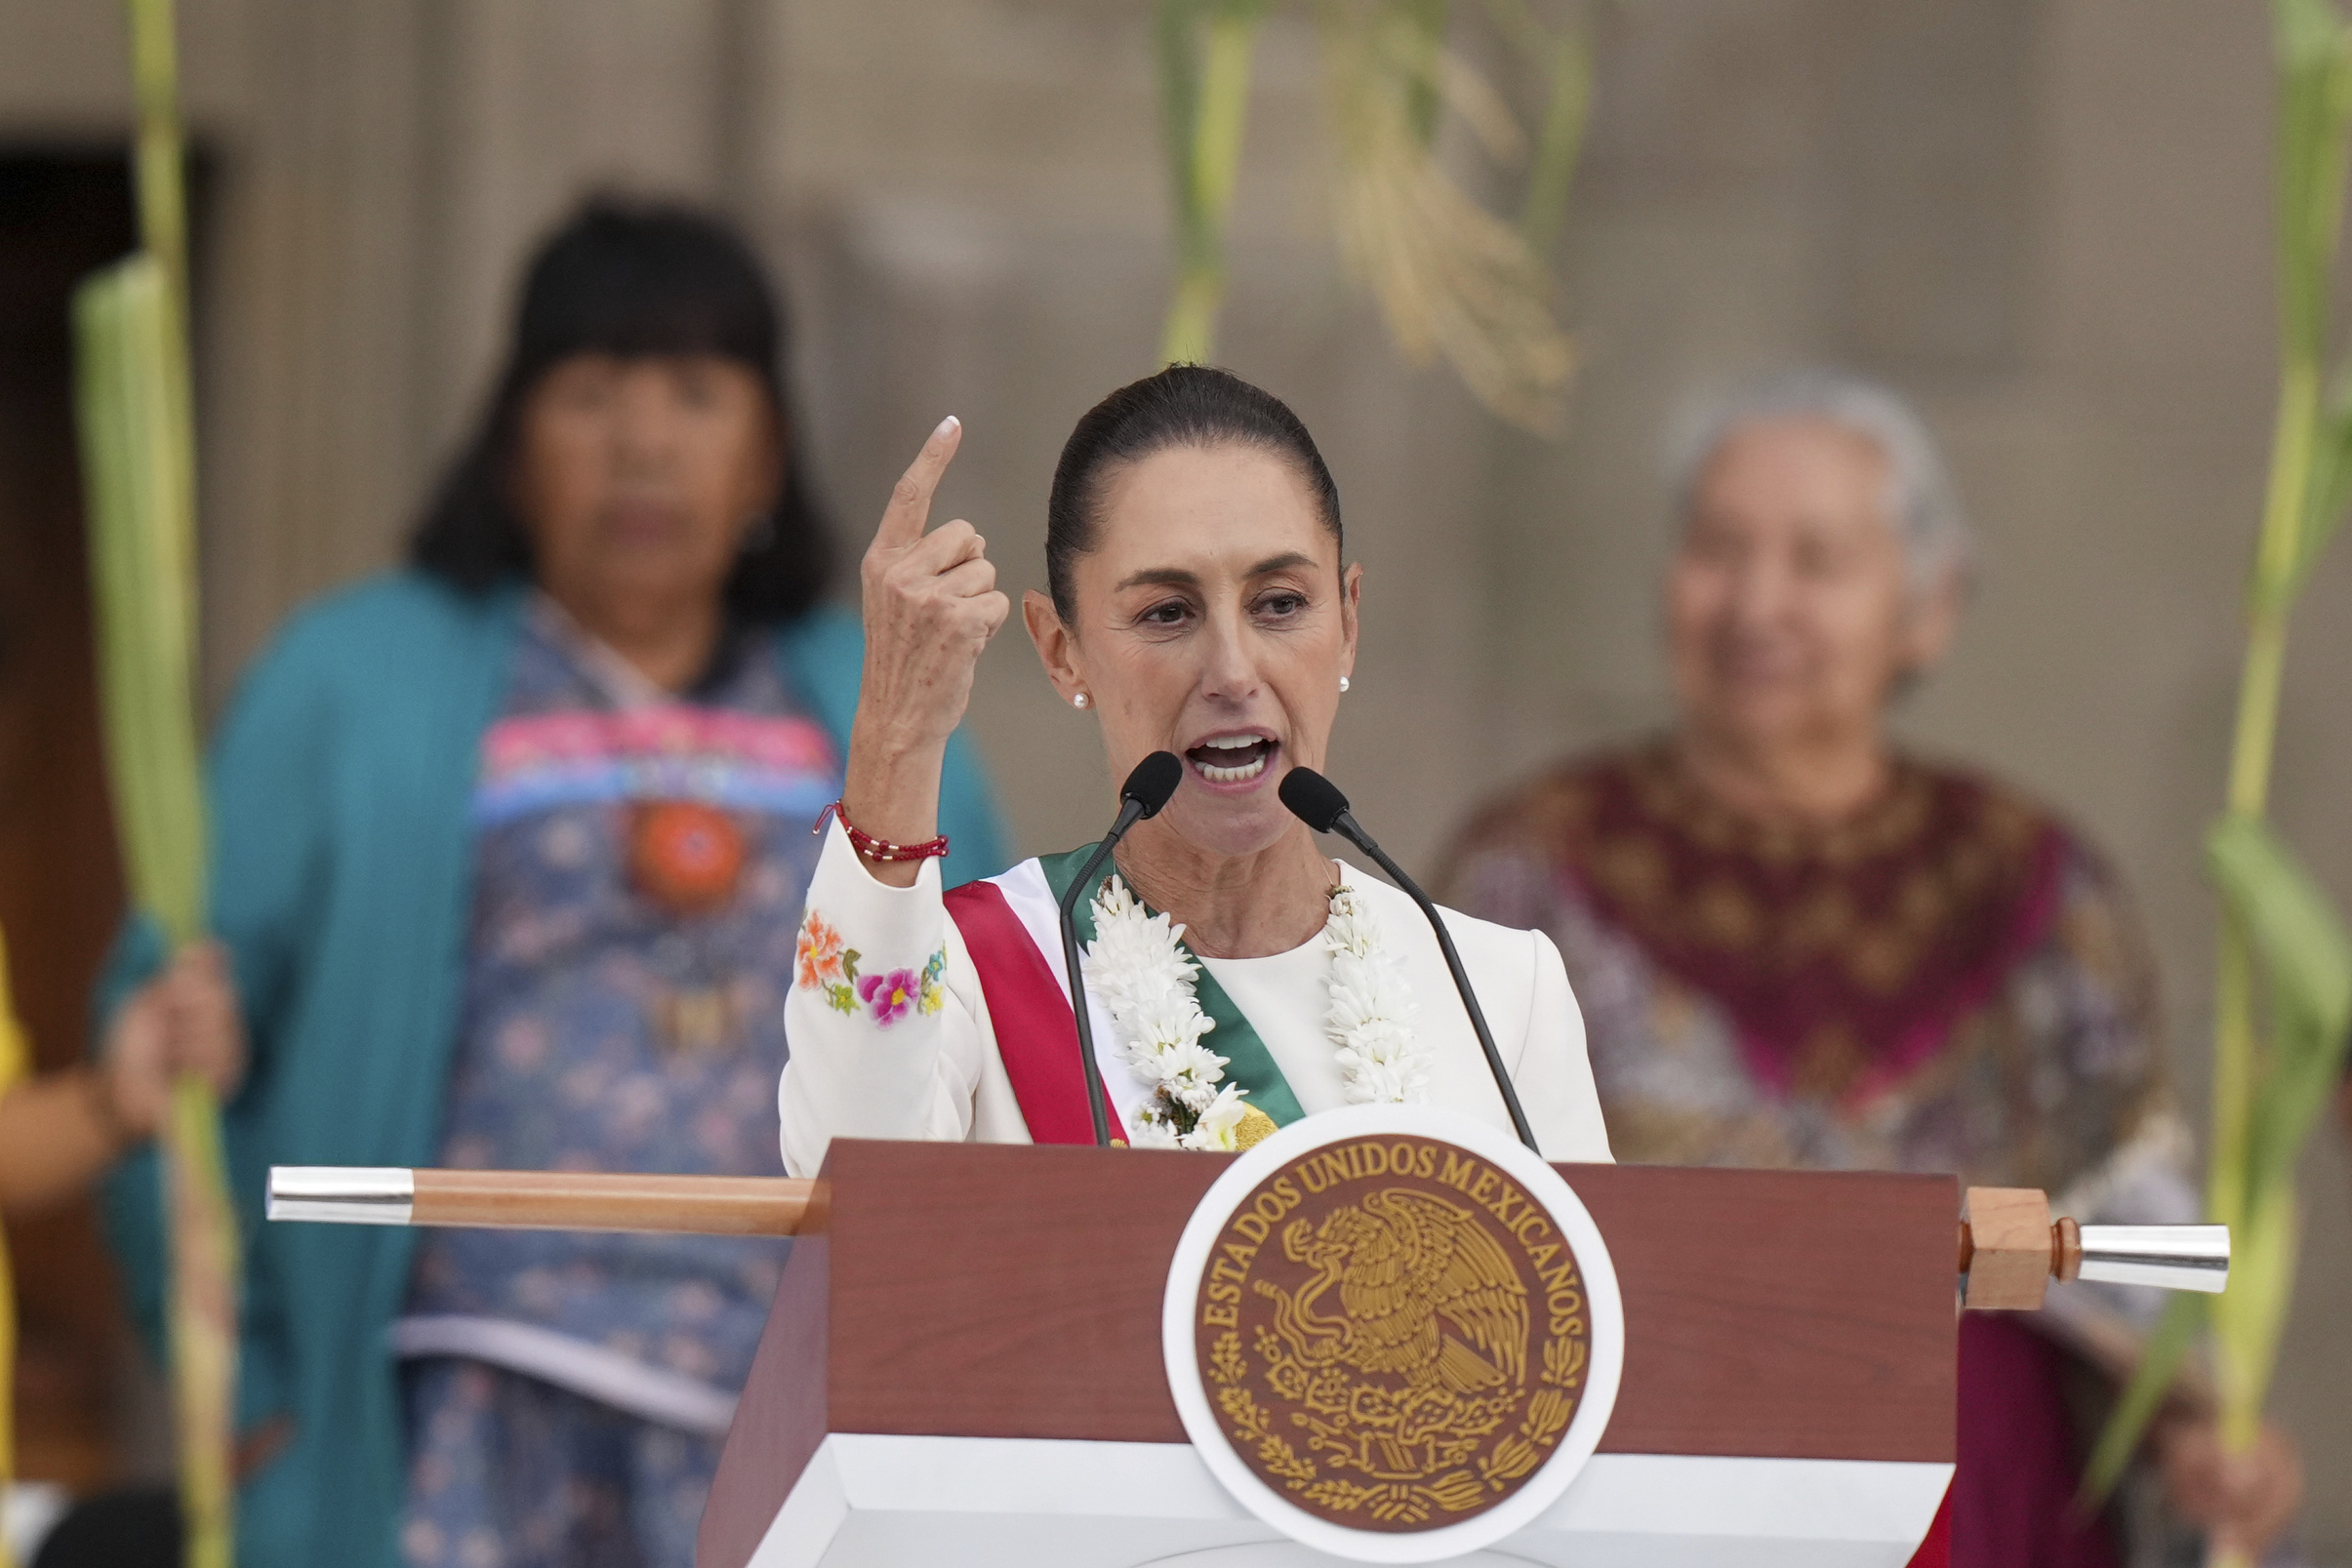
(829, 967)
(878, 1046)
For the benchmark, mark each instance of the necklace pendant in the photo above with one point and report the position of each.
(685, 856)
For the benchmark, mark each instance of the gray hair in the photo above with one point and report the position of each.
(1922, 505)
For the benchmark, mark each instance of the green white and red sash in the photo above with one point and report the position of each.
(1011, 928)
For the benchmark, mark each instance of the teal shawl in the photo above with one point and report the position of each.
(341, 880)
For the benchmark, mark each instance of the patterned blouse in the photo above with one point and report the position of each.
(1950, 981)
(640, 865)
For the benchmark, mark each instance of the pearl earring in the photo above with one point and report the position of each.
(1343, 683)
(1078, 701)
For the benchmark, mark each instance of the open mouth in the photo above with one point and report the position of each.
(1231, 758)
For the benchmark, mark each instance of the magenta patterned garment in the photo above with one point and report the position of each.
(1949, 981)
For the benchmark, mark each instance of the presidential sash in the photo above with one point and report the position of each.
(1009, 926)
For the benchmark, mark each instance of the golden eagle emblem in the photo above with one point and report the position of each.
(1384, 1334)
(1424, 1294)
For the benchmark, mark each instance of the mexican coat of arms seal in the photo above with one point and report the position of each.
(1393, 1333)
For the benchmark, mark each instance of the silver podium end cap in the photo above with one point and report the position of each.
(2172, 1257)
(342, 1194)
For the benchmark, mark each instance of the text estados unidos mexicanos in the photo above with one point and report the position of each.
(1412, 1158)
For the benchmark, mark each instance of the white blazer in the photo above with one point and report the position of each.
(933, 1071)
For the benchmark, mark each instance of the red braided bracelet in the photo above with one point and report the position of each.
(881, 849)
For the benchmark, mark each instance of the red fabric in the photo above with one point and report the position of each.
(2012, 1502)
(1845, 954)
(1035, 1034)
(1936, 1550)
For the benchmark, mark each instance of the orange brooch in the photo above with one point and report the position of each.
(685, 856)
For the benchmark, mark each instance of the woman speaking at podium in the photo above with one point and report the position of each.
(1237, 979)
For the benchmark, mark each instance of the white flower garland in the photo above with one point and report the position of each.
(1373, 1009)
(1138, 967)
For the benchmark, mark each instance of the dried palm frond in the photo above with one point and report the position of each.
(1451, 277)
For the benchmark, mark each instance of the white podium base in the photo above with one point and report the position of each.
(871, 1502)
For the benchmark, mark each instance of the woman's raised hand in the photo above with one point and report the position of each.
(931, 606)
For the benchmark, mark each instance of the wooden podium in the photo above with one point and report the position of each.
(963, 1365)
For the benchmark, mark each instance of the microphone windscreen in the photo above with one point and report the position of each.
(1313, 798)
(1152, 782)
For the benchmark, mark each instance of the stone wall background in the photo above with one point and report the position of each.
(2046, 218)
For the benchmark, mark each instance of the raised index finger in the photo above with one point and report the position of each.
(909, 508)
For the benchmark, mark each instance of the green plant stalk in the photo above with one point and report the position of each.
(138, 431)
(2259, 1206)
(2247, 1319)
(135, 458)
(2254, 744)
(2238, 1063)
(2249, 1316)
(2276, 556)
(2234, 1047)
(1561, 143)
(1190, 335)
(160, 170)
(2169, 1345)
(1209, 167)
(135, 441)
(203, 1323)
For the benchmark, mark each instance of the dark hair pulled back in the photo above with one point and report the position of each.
(634, 280)
(1182, 405)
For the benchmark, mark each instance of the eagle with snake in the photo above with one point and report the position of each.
(1425, 1293)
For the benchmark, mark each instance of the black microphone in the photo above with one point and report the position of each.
(1146, 790)
(1316, 801)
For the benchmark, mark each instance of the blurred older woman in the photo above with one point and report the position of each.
(1798, 945)
(511, 853)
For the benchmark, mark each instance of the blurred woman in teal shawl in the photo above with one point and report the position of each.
(1798, 947)
(509, 849)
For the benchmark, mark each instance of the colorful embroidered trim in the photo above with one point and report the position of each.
(736, 762)
(825, 963)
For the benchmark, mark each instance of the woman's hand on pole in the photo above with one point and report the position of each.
(185, 1020)
(2243, 1501)
(60, 1131)
(931, 606)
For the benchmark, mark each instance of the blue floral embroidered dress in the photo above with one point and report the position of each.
(640, 864)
